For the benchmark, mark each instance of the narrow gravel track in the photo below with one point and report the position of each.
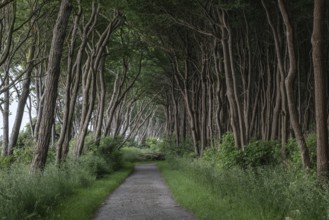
(142, 196)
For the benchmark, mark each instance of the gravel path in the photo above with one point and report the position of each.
(142, 196)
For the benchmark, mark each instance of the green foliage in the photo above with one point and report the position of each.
(5, 162)
(311, 144)
(30, 196)
(260, 153)
(25, 139)
(152, 143)
(135, 154)
(20, 155)
(228, 142)
(294, 152)
(96, 165)
(84, 203)
(105, 157)
(169, 147)
(261, 193)
(256, 153)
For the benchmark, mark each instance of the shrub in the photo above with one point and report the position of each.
(20, 155)
(260, 153)
(95, 165)
(169, 147)
(226, 155)
(105, 157)
(256, 153)
(212, 155)
(294, 152)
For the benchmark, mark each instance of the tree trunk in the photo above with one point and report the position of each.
(234, 117)
(320, 88)
(51, 86)
(22, 101)
(5, 116)
(101, 103)
(289, 86)
(284, 111)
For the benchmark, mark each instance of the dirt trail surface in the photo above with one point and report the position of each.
(142, 196)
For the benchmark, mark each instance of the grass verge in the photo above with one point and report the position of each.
(201, 199)
(83, 204)
(263, 193)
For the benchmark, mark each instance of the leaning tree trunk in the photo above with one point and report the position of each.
(51, 86)
(101, 103)
(89, 81)
(70, 102)
(320, 88)
(289, 86)
(22, 100)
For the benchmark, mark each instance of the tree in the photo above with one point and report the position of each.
(51, 86)
(289, 85)
(320, 87)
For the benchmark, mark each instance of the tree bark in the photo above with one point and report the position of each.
(72, 93)
(234, 117)
(5, 117)
(320, 88)
(51, 86)
(22, 101)
(289, 86)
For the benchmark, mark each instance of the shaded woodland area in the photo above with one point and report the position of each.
(189, 72)
(224, 83)
(257, 70)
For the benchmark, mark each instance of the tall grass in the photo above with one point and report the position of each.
(258, 193)
(32, 196)
(35, 196)
(83, 204)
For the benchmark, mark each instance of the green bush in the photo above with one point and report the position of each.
(226, 155)
(169, 147)
(152, 143)
(256, 153)
(25, 139)
(228, 143)
(20, 155)
(103, 158)
(294, 152)
(212, 155)
(96, 165)
(311, 144)
(260, 153)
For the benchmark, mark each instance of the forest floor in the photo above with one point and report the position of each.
(142, 196)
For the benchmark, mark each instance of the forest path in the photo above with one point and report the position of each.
(142, 196)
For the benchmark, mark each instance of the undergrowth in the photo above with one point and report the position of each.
(83, 204)
(266, 193)
(254, 183)
(25, 195)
